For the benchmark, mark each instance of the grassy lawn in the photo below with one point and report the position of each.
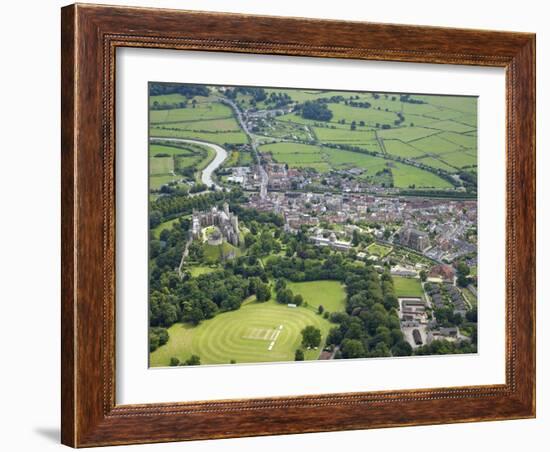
(161, 165)
(406, 175)
(344, 136)
(436, 163)
(401, 149)
(406, 134)
(470, 297)
(460, 158)
(407, 287)
(166, 225)
(203, 111)
(214, 253)
(243, 335)
(179, 157)
(460, 139)
(197, 270)
(378, 249)
(284, 148)
(301, 95)
(434, 144)
(209, 125)
(371, 116)
(155, 182)
(167, 99)
(169, 131)
(330, 294)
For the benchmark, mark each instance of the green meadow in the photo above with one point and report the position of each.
(407, 287)
(245, 335)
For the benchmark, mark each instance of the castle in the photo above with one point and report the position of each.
(227, 223)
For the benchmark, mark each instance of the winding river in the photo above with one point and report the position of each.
(221, 155)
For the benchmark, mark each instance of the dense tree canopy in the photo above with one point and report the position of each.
(318, 111)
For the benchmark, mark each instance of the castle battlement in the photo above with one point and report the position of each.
(227, 223)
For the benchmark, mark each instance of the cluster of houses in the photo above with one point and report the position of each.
(440, 293)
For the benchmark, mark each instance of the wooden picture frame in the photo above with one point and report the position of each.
(90, 36)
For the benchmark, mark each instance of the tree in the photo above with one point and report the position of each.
(463, 269)
(334, 336)
(316, 110)
(423, 275)
(402, 348)
(320, 309)
(285, 296)
(280, 284)
(356, 238)
(263, 292)
(463, 272)
(155, 218)
(462, 281)
(380, 351)
(299, 355)
(298, 300)
(174, 361)
(471, 315)
(353, 348)
(249, 240)
(194, 360)
(311, 336)
(157, 336)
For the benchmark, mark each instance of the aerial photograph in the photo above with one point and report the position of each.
(296, 224)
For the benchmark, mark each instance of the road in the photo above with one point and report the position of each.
(263, 174)
(206, 175)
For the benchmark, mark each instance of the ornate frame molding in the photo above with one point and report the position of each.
(90, 36)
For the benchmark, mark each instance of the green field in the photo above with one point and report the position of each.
(323, 159)
(371, 116)
(243, 335)
(434, 145)
(301, 95)
(407, 287)
(470, 297)
(401, 149)
(406, 134)
(166, 225)
(167, 99)
(210, 125)
(197, 270)
(406, 176)
(179, 156)
(290, 148)
(215, 253)
(344, 135)
(157, 181)
(460, 159)
(436, 163)
(161, 165)
(330, 294)
(204, 111)
(439, 131)
(209, 120)
(169, 131)
(379, 249)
